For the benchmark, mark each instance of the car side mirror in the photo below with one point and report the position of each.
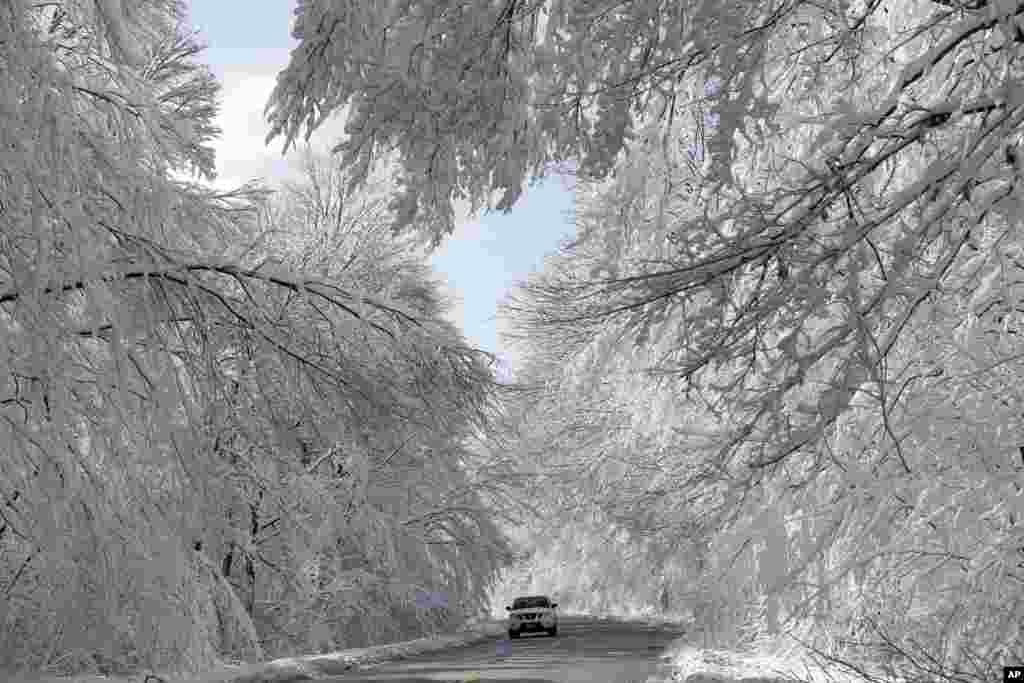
(554, 604)
(507, 608)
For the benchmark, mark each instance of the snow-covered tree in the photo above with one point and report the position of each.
(475, 96)
(403, 479)
(840, 178)
(198, 422)
(102, 102)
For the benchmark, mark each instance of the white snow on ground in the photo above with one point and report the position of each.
(770, 662)
(691, 664)
(318, 666)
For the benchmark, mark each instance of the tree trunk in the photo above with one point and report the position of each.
(225, 568)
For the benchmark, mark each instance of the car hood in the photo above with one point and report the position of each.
(532, 610)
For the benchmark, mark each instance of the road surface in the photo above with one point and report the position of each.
(584, 651)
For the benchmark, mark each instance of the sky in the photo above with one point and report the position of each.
(248, 44)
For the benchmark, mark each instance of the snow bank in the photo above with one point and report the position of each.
(313, 667)
(691, 664)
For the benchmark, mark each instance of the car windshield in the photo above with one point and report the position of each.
(523, 603)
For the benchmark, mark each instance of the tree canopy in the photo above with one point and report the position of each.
(787, 328)
(234, 423)
(798, 228)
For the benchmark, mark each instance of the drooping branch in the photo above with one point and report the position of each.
(329, 292)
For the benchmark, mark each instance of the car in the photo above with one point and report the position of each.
(532, 613)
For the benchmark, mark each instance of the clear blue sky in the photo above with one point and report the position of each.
(249, 42)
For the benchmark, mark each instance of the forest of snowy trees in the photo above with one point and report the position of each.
(771, 385)
(234, 424)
